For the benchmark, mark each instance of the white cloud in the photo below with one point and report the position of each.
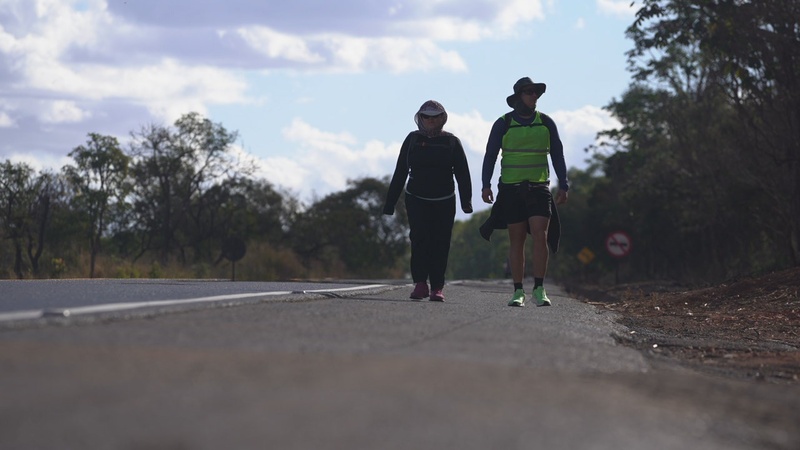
(40, 162)
(168, 89)
(398, 55)
(618, 8)
(334, 52)
(284, 172)
(7, 42)
(62, 111)
(300, 131)
(578, 129)
(278, 45)
(324, 161)
(586, 120)
(40, 54)
(99, 50)
(443, 29)
(516, 12)
(472, 129)
(580, 23)
(6, 121)
(53, 28)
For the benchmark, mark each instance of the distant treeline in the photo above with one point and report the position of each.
(167, 205)
(703, 175)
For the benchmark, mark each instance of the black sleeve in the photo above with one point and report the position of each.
(461, 171)
(557, 153)
(398, 178)
(493, 145)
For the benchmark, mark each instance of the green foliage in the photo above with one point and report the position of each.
(99, 180)
(734, 66)
(473, 257)
(57, 267)
(349, 227)
(175, 172)
(156, 270)
(25, 202)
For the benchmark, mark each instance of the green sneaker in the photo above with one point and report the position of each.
(518, 299)
(541, 297)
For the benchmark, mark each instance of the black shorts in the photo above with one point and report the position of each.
(521, 201)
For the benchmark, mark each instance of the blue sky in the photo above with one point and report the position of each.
(319, 91)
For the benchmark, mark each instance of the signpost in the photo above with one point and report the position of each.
(586, 255)
(618, 245)
(233, 249)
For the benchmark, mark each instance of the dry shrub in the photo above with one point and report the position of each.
(263, 262)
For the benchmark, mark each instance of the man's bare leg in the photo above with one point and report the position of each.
(517, 233)
(539, 233)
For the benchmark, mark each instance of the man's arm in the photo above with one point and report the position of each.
(557, 153)
(493, 145)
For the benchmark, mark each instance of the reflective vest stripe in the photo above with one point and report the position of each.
(527, 150)
(525, 166)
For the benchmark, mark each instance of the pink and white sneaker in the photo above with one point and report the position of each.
(420, 291)
(436, 295)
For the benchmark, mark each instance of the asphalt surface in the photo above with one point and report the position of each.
(26, 299)
(367, 369)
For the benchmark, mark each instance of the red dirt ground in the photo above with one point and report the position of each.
(749, 328)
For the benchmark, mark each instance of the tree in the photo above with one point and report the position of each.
(349, 227)
(173, 169)
(471, 256)
(17, 196)
(243, 208)
(99, 177)
(751, 52)
(49, 193)
(586, 220)
(680, 177)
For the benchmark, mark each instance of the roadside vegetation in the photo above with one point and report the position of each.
(703, 174)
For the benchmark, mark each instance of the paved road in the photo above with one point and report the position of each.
(32, 299)
(368, 370)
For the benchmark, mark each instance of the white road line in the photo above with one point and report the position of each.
(111, 307)
(313, 291)
(20, 315)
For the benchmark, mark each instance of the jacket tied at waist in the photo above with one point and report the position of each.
(495, 220)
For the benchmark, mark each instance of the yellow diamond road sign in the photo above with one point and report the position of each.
(586, 256)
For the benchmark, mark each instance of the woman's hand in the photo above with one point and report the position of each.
(487, 195)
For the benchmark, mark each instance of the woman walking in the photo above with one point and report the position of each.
(429, 158)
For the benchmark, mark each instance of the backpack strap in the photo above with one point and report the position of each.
(411, 143)
(507, 119)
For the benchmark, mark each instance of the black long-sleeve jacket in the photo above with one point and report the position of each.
(429, 164)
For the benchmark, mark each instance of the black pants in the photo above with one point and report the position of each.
(431, 223)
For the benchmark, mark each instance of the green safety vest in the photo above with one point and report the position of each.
(525, 150)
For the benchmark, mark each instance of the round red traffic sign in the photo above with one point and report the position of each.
(618, 244)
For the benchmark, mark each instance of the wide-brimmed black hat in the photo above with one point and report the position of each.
(521, 84)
